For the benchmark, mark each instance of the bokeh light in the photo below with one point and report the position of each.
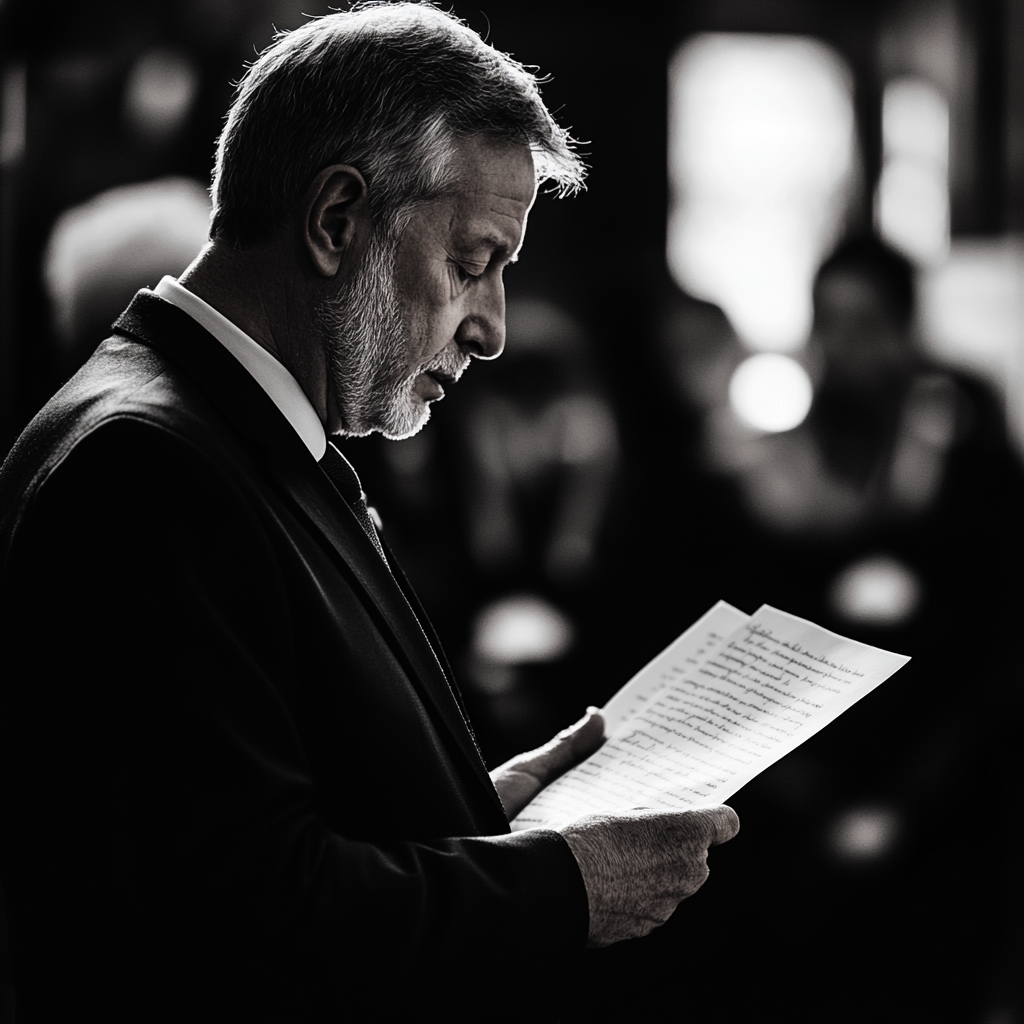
(161, 88)
(881, 591)
(521, 629)
(912, 207)
(123, 239)
(770, 392)
(864, 834)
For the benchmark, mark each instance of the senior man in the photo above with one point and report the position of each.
(237, 781)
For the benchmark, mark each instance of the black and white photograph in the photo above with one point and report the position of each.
(511, 511)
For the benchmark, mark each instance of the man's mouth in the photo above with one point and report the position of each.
(435, 382)
(446, 371)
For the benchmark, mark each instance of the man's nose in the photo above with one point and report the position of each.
(482, 331)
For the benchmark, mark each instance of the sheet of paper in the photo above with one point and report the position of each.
(772, 684)
(686, 652)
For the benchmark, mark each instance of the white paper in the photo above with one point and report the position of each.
(713, 723)
(688, 650)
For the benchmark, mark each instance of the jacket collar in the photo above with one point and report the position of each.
(270, 373)
(247, 407)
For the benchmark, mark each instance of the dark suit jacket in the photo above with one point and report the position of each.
(236, 778)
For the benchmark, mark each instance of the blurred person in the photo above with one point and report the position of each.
(542, 449)
(894, 442)
(700, 349)
(237, 779)
(537, 459)
(101, 252)
(682, 512)
(884, 422)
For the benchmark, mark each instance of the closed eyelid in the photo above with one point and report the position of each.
(467, 267)
(498, 261)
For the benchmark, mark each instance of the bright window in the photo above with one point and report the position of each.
(761, 165)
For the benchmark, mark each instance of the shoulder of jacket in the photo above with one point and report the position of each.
(127, 399)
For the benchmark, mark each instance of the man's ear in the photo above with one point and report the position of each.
(337, 217)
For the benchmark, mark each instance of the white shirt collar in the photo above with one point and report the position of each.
(271, 375)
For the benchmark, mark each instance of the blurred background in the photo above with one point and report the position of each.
(774, 353)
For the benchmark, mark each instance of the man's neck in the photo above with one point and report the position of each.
(231, 281)
(250, 288)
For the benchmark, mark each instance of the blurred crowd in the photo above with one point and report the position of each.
(560, 539)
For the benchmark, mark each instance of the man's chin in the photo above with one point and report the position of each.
(415, 419)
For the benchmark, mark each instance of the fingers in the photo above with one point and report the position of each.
(706, 826)
(520, 779)
(722, 824)
(711, 826)
(583, 738)
(633, 924)
(638, 867)
(566, 749)
(515, 789)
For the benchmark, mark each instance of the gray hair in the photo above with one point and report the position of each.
(387, 88)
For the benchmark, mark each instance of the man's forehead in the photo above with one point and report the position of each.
(499, 173)
(490, 228)
(495, 191)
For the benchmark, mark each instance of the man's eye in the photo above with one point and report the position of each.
(462, 273)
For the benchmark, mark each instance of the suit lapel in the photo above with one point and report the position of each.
(428, 628)
(238, 397)
(412, 637)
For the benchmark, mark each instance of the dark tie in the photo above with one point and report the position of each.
(344, 478)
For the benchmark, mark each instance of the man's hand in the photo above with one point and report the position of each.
(519, 780)
(638, 867)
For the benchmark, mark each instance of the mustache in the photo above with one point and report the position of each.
(448, 365)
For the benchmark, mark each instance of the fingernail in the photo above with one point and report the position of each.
(583, 721)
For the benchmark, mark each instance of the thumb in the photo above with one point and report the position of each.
(567, 748)
(519, 779)
(573, 744)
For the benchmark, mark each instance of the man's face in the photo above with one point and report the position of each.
(409, 321)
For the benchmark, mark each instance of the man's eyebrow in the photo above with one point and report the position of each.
(495, 247)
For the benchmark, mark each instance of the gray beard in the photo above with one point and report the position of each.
(366, 335)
